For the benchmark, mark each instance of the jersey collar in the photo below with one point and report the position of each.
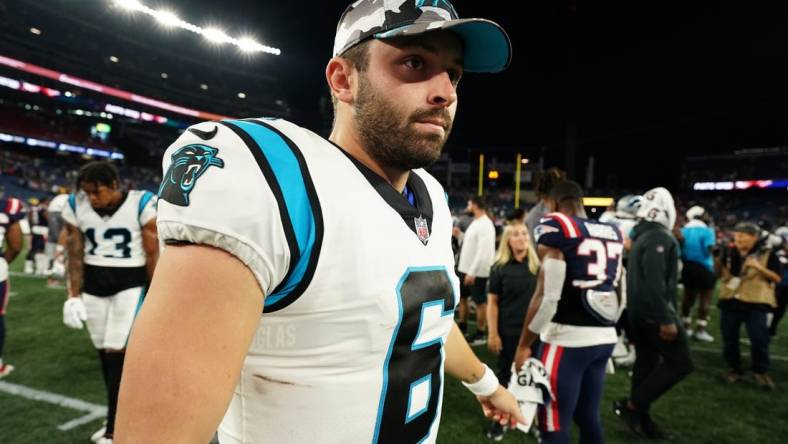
(410, 214)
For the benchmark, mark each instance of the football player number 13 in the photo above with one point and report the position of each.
(121, 237)
(412, 378)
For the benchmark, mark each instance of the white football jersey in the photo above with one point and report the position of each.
(358, 283)
(115, 240)
(58, 203)
(624, 224)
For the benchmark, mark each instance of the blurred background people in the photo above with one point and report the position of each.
(476, 256)
(663, 355)
(782, 287)
(697, 275)
(511, 284)
(545, 181)
(750, 271)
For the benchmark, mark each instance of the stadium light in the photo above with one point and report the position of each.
(241, 95)
(35, 31)
(204, 87)
(169, 19)
(216, 35)
(113, 59)
(164, 75)
(248, 44)
(598, 201)
(129, 5)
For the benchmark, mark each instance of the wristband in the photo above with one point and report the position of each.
(485, 386)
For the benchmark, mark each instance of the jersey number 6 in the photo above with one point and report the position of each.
(412, 377)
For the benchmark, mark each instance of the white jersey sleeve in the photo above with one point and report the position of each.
(217, 190)
(69, 213)
(147, 208)
(58, 203)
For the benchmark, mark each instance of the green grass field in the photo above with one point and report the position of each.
(50, 357)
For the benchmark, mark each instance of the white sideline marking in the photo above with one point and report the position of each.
(90, 417)
(94, 411)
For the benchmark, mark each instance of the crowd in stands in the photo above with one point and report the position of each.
(42, 175)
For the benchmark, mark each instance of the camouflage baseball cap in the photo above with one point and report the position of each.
(487, 46)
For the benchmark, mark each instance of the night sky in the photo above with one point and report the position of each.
(631, 83)
(634, 84)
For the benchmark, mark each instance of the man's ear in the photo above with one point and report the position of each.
(340, 75)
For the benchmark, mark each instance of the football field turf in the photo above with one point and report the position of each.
(52, 358)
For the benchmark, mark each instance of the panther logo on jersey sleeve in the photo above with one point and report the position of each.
(188, 164)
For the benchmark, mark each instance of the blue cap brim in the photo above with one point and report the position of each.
(487, 46)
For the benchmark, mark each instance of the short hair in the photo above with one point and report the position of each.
(358, 55)
(99, 172)
(747, 228)
(546, 180)
(479, 201)
(567, 190)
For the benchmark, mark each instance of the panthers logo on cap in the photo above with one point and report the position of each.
(188, 164)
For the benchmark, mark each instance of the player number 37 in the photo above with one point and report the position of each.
(600, 253)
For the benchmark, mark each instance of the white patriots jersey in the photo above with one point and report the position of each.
(116, 240)
(358, 283)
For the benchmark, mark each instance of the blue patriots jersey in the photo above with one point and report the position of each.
(11, 212)
(592, 251)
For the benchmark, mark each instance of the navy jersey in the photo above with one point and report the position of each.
(592, 251)
(11, 212)
(39, 227)
(37, 216)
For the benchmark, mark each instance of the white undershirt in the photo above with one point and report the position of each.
(577, 336)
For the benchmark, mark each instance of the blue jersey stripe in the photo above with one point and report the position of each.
(288, 174)
(72, 202)
(144, 202)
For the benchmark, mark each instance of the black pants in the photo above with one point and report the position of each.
(754, 319)
(623, 325)
(506, 357)
(779, 311)
(659, 365)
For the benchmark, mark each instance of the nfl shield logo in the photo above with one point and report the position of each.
(422, 231)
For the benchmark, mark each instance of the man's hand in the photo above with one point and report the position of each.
(74, 313)
(494, 344)
(522, 355)
(469, 280)
(502, 407)
(668, 332)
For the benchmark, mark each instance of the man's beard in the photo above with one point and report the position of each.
(387, 133)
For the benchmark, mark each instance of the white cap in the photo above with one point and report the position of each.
(695, 212)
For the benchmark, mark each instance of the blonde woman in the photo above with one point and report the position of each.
(512, 281)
